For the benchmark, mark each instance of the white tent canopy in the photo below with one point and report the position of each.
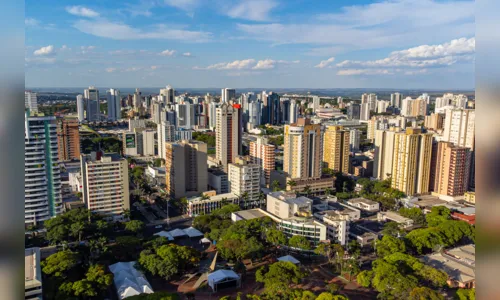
(205, 240)
(128, 280)
(165, 234)
(289, 258)
(177, 233)
(221, 276)
(192, 232)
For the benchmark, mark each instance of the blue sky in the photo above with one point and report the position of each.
(250, 43)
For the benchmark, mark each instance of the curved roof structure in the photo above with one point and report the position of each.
(128, 280)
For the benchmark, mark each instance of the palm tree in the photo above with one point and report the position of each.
(328, 191)
(306, 190)
(275, 185)
(291, 183)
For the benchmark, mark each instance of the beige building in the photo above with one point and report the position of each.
(244, 181)
(201, 206)
(32, 274)
(336, 148)
(186, 168)
(470, 197)
(434, 121)
(459, 127)
(105, 184)
(262, 153)
(384, 152)
(413, 107)
(226, 134)
(287, 205)
(450, 169)
(303, 150)
(412, 161)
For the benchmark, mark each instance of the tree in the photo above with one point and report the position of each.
(354, 248)
(275, 185)
(388, 245)
(415, 214)
(299, 241)
(329, 296)
(425, 239)
(60, 263)
(84, 288)
(292, 183)
(306, 190)
(168, 260)
(351, 266)
(77, 229)
(99, 278)
(466, 294)
(424, 293)
(276, 237)
(365, 278)
(393, 229)
(278, 277)
(437, 215)
(328, 191)
(333, 288)
(134, 226)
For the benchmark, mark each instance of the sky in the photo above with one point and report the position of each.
(250, 43)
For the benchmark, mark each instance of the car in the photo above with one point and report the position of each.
(158, 226)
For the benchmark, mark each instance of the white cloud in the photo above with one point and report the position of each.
(82, 11)
(237, 64)
(167, 52)
(120, 31)
(87, 49)
(40, 60)
(325, 63)
(44, 51)
(254, 10)
(122, 52)
(422, 56)
(31, 22)
(187, 54)
(110, 70)
(154, 67)
(378, 25)
(351, 72)
(264, 64)
(186, 5)
(64, 48)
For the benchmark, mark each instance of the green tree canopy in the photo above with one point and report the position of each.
(388, 245)
(415, 214)
(437, 215)
(276, 237)
(424, 293)
(466, 294)
(168, 260)
(278, 277)
(60, 263)
(134, 226)
(299, 241)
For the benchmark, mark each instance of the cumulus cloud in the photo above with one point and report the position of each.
(121, 31)
(44, 51)
(82, 11)
(351, 72)
(422, 56)
(250, 63)
(235, 65)
(254, 10)
(167, 52)
(187, 54)
(325, 63)
(264, 64)
(186, 5)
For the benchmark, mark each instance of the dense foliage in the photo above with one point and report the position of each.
(278, 277)
(380, 191)
(209, 139)
(106, 144)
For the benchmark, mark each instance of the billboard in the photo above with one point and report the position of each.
(130, 140)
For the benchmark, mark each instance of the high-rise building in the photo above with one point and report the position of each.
(396, 100)
(316, 103)
(156, 108)
(68, 139)
(254, 114)
(169, 93)
(364, 114)
(226, 138)
(212, 115)
(273, 109)
(336, 148)
(91, 96)
(42, 179)
(412, 161)
(450, 169)
(137, 102)
(244, 181)
(413, 107)
(434, 121)
(382, 106)
(105, 184)
(186, 117)
(354, 111)
(384, 153)
(364, 98)
(294, 112)
(114, 105)
(80, 108)
(354, 139)
(459, 127)
(186, 168)
(285, 111)
(228, 94)
(262, 153)
(165, 133)
(372, 100)
(30, 101)
(303, 150)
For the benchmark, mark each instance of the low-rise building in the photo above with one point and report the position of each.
(395, 217)
(286, 205)
(470, 197)
(315, 185)
(458, 263)
(337, 225)
(361, 235)
(32, 274)
(218, 181)
(202, 205)
(364, 204)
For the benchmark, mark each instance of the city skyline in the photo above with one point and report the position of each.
(264, 43)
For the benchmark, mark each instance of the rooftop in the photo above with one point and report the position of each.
(251, 214)
(217, 172)
(395, 217)
(219, 197)
(32, 269)
(362, 200)
(459, 263)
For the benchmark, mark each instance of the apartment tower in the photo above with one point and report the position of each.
(336, 148)
(262, 153)
(68, 139)
(450, 169)
(226, 134)
(244, 181)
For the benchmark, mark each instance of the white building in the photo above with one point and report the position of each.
(337, 227)
(32, 274)
(42, 179)
(364, 204)
(396, 100)
(294, 112)
(459, 127)
(364, 114)
(384, 153)
(217, 180)
(30, 101)
(165, 133)
(227, 94)
(80, 108)
(105, 184)
(169, 94)
(199, 206)
(114, 105)
(186, 115)
(316, 103)
(382, 106)
(212, 117)
(148, 142)
(128, 280)
(244, 181)
(395, 217)
(372, 100)
(183, 134)
(287, 205)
